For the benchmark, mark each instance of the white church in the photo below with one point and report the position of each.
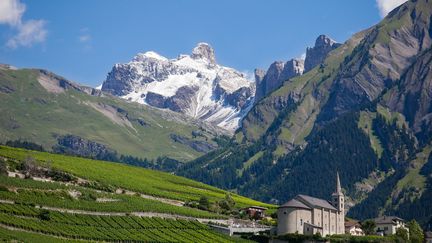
(309, 215)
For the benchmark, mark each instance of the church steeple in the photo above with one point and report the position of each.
(338, 185)
(338, 197)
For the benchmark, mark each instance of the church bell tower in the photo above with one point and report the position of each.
(338, 197)
(338, 201)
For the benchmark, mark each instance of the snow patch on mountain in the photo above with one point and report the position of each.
(191, 84)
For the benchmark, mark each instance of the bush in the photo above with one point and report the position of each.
(44, 215)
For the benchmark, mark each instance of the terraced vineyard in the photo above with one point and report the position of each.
(104, 228)
(50, 197)
(132, 178)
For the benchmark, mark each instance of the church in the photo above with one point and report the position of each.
(309, 215)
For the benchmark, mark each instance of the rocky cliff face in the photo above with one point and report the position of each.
(382, 57)
(278, 72)
(194, 85)
(316, 55)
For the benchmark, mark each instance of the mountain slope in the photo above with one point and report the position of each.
(74, 198)
(194, 85)
(364, 112)
(42, 107)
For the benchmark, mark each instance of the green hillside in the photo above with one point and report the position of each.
(365, 112)
(75, 198)
(39, 106)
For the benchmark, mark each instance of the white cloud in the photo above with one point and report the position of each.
(385, 6)
(11, 12)
(84, 38)
(28, 32)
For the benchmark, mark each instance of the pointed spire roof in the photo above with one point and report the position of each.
(338, 185)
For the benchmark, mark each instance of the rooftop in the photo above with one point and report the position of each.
(315, 202)
(387, 219)
(293, 203)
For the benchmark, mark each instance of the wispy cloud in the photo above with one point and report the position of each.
(385, 6)
(85, 38)
(28, 32)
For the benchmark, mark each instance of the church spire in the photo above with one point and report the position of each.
(338, 185)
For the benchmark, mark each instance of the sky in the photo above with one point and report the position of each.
(82, 39)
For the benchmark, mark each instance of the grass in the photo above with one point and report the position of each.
(392, 116)
(32, 113)
(365, 123)
(249, 162)
(413, 178)
(132, 178)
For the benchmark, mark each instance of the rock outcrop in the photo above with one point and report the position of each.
(316, 55)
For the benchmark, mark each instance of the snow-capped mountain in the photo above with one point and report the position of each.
(191, 84)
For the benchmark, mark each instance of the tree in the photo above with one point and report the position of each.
(44, 215)
(204, 203)
(368, 227)
(402, 235)
(228, 203)
(3, 167)
(415, 232)
(30, 167)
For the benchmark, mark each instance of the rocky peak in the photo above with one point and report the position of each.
(204, 51)
(259, 75)
(316, 55)
(190, 84)
(277, 73)
(324, 41)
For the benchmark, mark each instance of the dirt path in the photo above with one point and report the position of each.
(139, 214)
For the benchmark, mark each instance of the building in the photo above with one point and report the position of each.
(387, 225)
(255, 212)
(428, 237)
(352, 227)
(309, 215)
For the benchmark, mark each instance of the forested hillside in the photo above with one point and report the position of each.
(365, 112)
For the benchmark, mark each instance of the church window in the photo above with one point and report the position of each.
(301, 221)
(285, 212)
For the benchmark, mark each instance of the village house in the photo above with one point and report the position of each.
(255, 212)
(353, 227)
(387, 225)
(309, 215)
(428, 237)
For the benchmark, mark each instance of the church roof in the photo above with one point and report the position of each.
(293, 203)
(316, 202)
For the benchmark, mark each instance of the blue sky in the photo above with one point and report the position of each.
(82, 39)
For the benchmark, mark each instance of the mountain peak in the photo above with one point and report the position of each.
(324, 40)
(204, 51)
(148, 55)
